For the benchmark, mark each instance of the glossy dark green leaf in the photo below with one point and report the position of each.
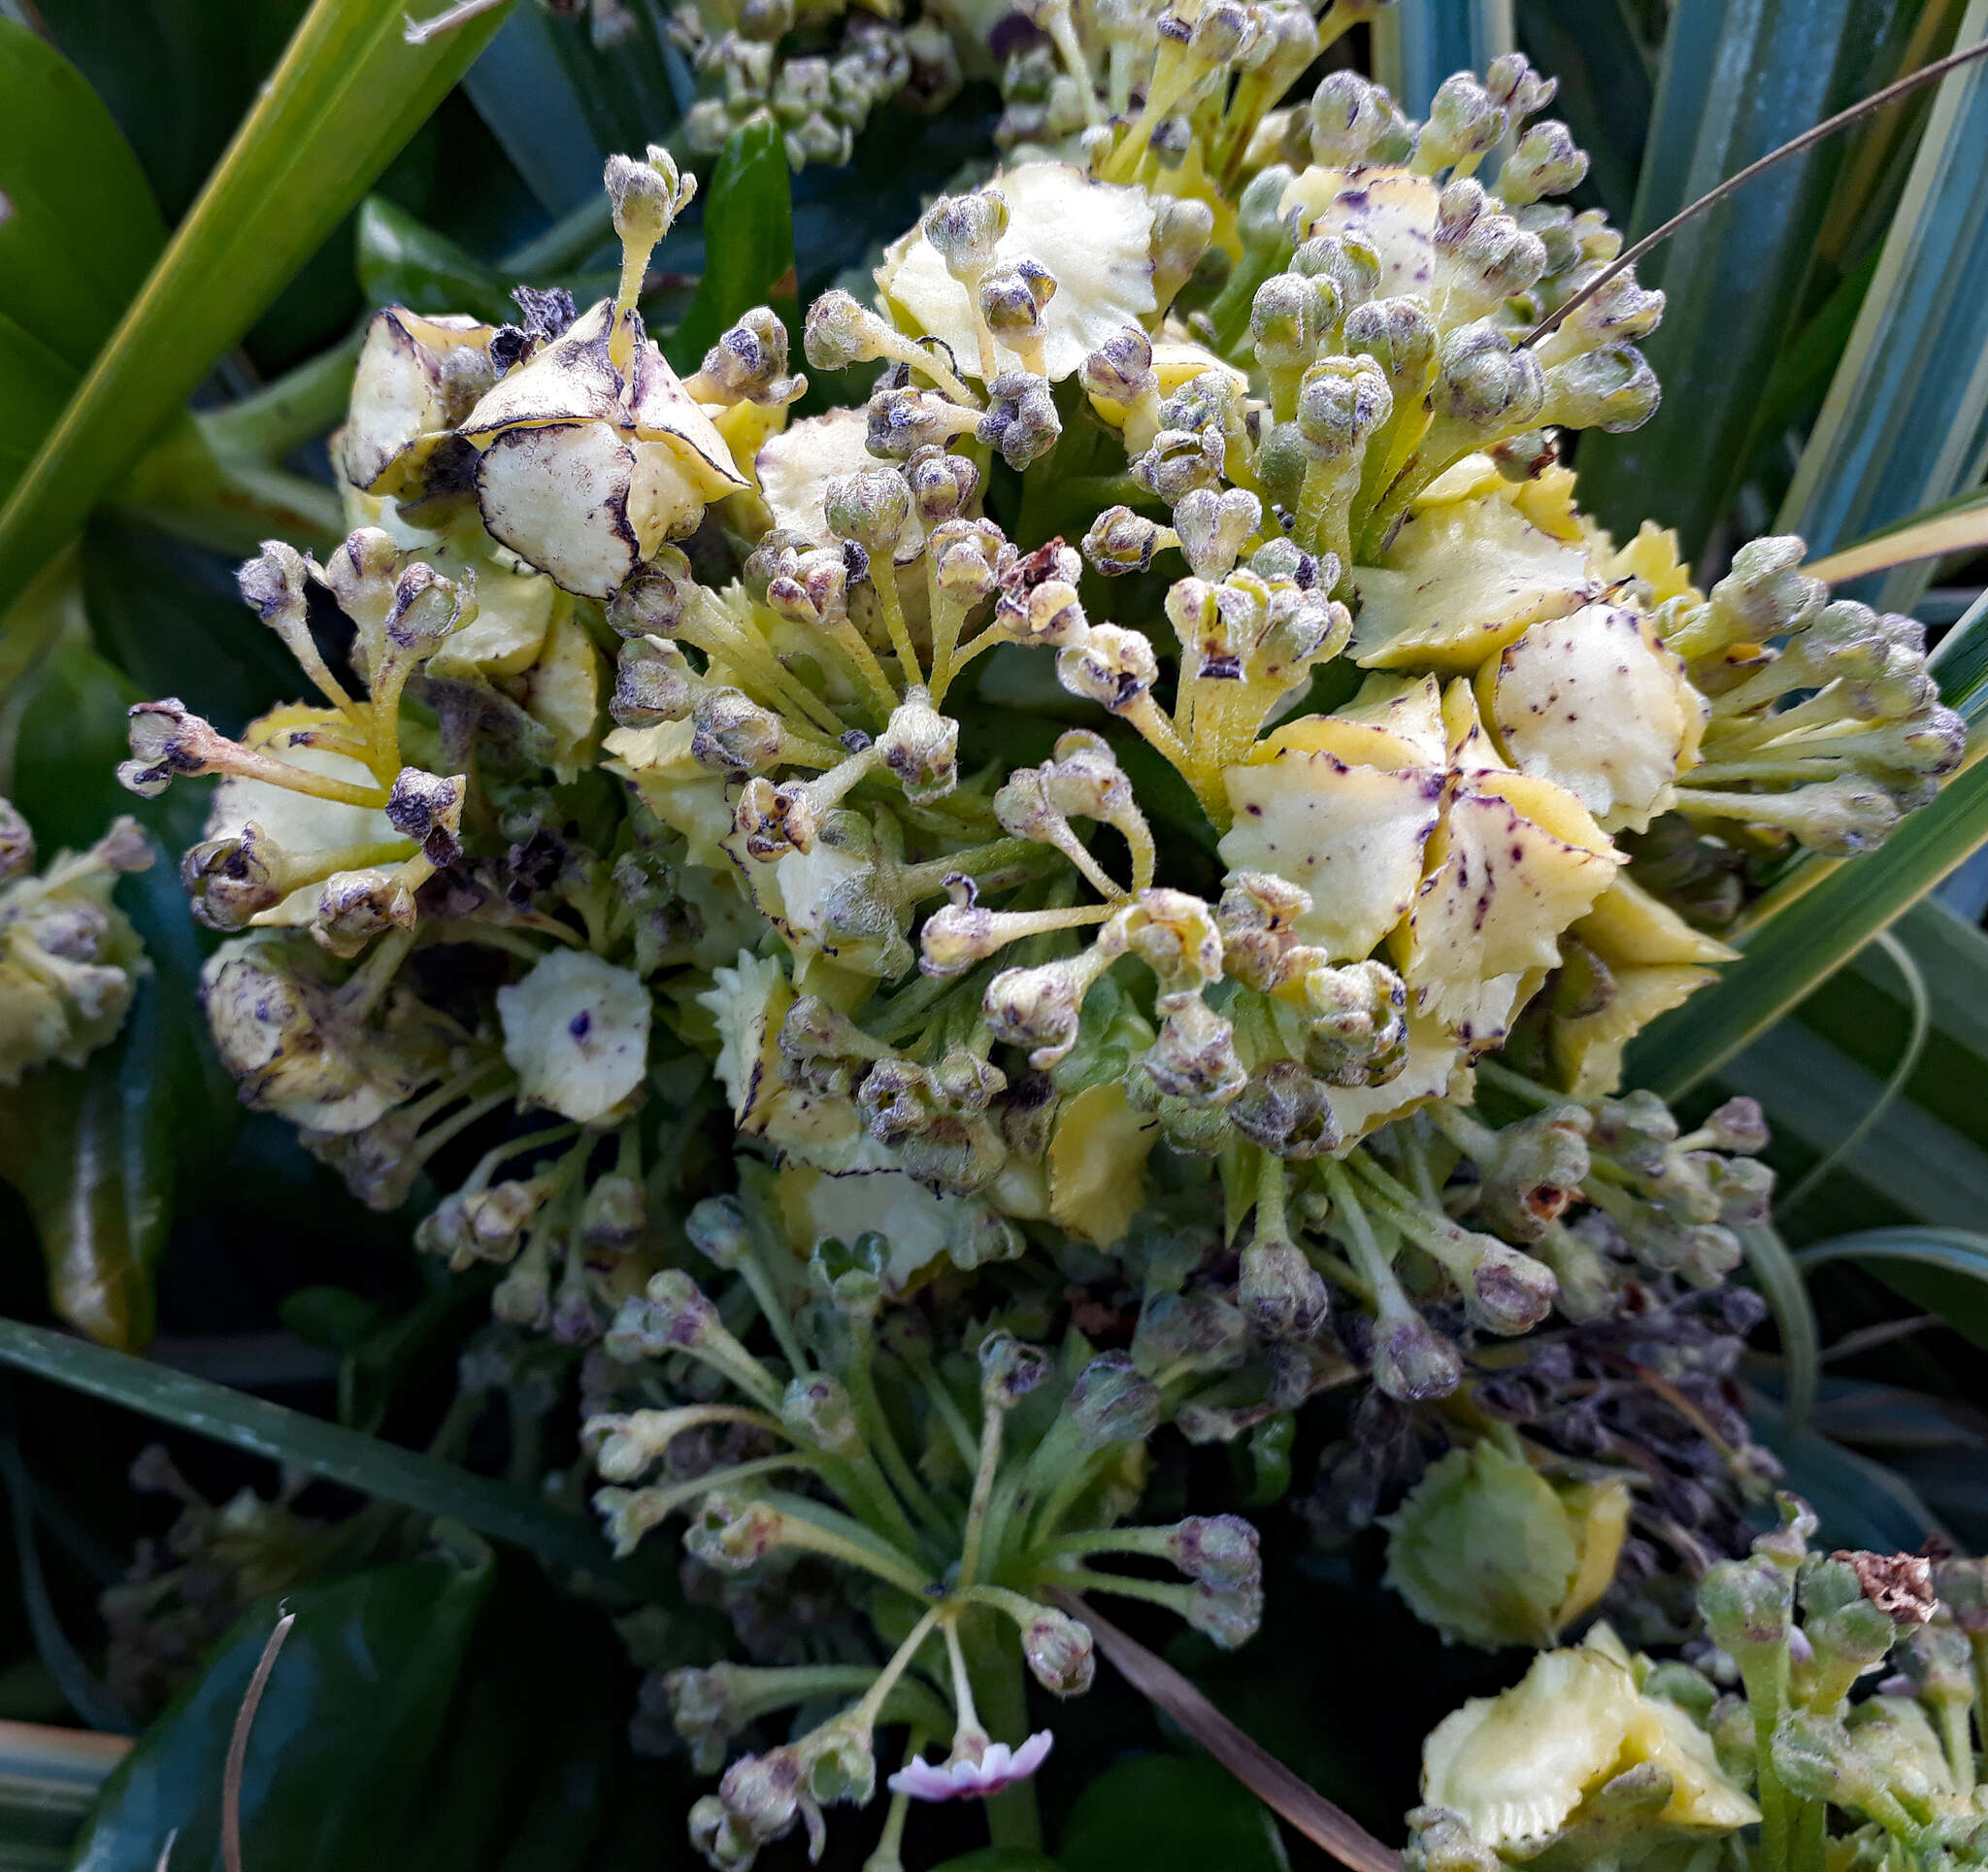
(218, 51)
(96, 1152)
(347, 95)
(64, 168)
(1861, 1503)
(363, 1462)
(1000, 1859)
(560, 107)
(748, 242)
(82, 226)
(404, 263)
(1161, 1813)
(352, 1711)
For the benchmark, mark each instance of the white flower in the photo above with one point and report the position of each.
(576, 1033)
(998, 1768)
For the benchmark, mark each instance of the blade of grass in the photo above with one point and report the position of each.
(1901, 426)
(365, 1463)
(1962, 526)
(1909, 1059)
(1781, 1287)
(1955, 1250)
(1750, 91)
(345, 97)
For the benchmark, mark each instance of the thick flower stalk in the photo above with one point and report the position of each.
(1848, 1735)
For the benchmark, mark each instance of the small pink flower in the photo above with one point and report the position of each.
(999, 1767)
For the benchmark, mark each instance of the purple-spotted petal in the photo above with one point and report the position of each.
(998, 1768)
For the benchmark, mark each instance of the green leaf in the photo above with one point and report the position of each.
(1780, 1283)
(1956, 1260)
(494, 1509)
(560, 106)
(1739, 79)
(94, 1167)
(748, 242)
(217, 53)
(1861, 1503)
(95, 1152)
(80, 232)
(1419, 43)
(348, 93)
(1901, 426)
(1808, 931)
(1168, 1814)
(354, 1709)
(404, 263)
(1000, 1859)
(1958, 1251)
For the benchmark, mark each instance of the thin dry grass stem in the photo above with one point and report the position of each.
(1829, 127)
(238, 1747)
(1324, 1824)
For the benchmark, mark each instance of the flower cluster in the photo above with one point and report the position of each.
(961, 1489)
(1601, 1757)
(816, 71)
(69, 958)
(1026, 876)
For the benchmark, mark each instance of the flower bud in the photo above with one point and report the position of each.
(1463, 122)
(921, 747)
(1058, 1651)
(1183, 229)
(1546, 163)
(1357, 1029)
(653, 683)
(1348, 114)
(230, 879)
(1215, 527)
(614, 1218)
(1112, 1402)
(732, 1533)
(942, 485)
(1217, 1550)
(646, 196)
(718, 1229)
(733, 734)
(748, 364)
(1281, 1294)
(1009, 1370)
(1342, 402)
(1229, 1614)
(873, 508)
(817, 1410)
(1411, 1360)
(1195, 1058)
(1020, 419)
(1284, 1111)
(1108, 665)
(839, 333)
(1121, 540)
(1746, 1606)
(965, 230)
(427, 808)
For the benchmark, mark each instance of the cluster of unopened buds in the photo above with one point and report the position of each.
(69, 958)
(1103, 804)
(774, 60)
(1834, 1722)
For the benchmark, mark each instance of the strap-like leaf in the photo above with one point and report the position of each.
(347, 95)
(252, 1423)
